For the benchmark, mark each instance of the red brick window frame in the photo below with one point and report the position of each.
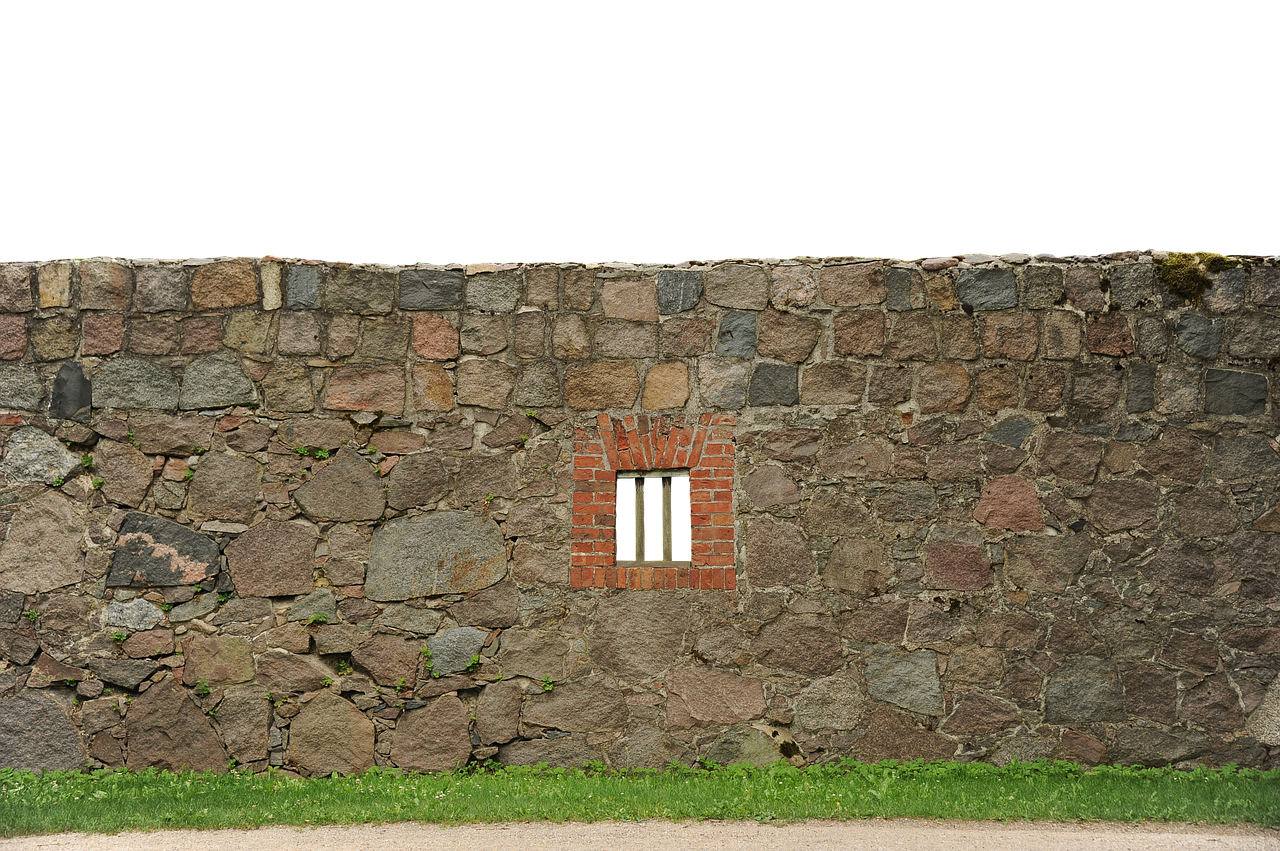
(637, 443)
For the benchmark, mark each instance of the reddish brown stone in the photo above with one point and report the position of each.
(152, 642)
(485, 383)
(889, 385)
(153, 336)
(635, 299)
(912, 337)
(1046, 387)
(701, 696)
(1072, 456)
(273, 559)
(892, 735)
(1213, 704)
(859, 333)
(1083, 286)
(777, 553)
(1081, 748)
(345, 488)
(343, 333)
(366, 388)
(686, 337)
(852, 284)
(1010, 335)
(996, 388)
(432, 388)
(229, 283)
(125, 472)
(1109, 334)
(103, 335)
(13, 337)
(958, 338)
(15, 288)
(1121, 504)
(1176, 455)
(167, 731)
(1203, 513)
(389, 659)
(434, 738)
(769, 486)
(216, 660)
(955, 463)
(956, 567)
(434, 337)
(329, 735)
(786, 336)
(299, 333)
(105, 285)
(201, 334)
(225, 486)
(1009, 502)
(943, 387)
(833, 383)
(978, 715)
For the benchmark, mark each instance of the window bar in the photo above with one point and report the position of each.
(639, 518)
(666, 518)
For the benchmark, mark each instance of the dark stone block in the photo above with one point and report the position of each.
(1140, 394)
(72, 394)
(988, 289)
(302, 287)
(1131, 283)
(678, 290)
(126, 673)
(1199, 336)
(1084, 689)
(774, 384)
(1010, 432)
(1230, 392)
(154, 552)
(430, 289)
(898, 284)
(737, 336)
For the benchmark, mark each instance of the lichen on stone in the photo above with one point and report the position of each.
(1189, 275)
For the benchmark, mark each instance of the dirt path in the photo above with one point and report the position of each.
(905, 834)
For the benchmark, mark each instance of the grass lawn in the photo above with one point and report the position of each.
(111, 801)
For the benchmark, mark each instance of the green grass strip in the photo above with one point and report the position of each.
(111, 801)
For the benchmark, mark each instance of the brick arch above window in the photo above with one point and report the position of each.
(703, 445)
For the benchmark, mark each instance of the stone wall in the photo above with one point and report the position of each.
(329, 516)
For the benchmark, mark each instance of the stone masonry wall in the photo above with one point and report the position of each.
(326, 516)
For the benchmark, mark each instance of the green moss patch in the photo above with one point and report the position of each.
(1188, 276)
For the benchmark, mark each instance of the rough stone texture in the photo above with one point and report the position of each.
(329, 735)
(390, 660)
(72, 394)
(287, 387)
(440, 553)
(619, 339)
(1084, 689)
(722, 383)
(160, 288)
(15, 288)
(20, 388)
(129, 383)
(454, 650)
(418, 480)
(852, 284)
(832, 383)
(35, 735)
(434, 738)
(1230, 392)
(666, 385)
(358, 289)
(231, 283)
(736, 337)
(136, 614)
(154, 552)
(216, 381)
(774, 384)
(430, 289)
(225, 487)
(987, 288)
(126, 472)
(956, 567)
(366, 388)
(273, 559)
(786, 336)
(302, 287)
(1011, 335)
(777, 553)
(909, 680)
(593, 704)
(701, 696)
(498, 713)
(635, 636)
(1121, 504)
(495, 292)
(346, 489)
(243, 718)
(738, 285)
(1200, 336)
(217, 660)
(807, 644)
(678, 290)
(943, 387)
(486, 384)
(42, 549)
(630, 299)
(126, 673)
(13, 337)
(601, 385)
(33, 456)
(168, 731)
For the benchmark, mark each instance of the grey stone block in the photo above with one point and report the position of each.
(909, 680)
(494, 292)
(987, 289)
(678, 290)
(72, 394)
(1131, 283)
(1140, 393)
(453, 649)
(774, 384)
(302, 287)
(444, 552)
(1229, 392)
(1043, 286)
(430, 289)
(20, 388)
(33, 456)
(318, 603)
(131, 383)
(1011, 431)
(1200, 336)
(737, 335)
(137, 614)
(1084, 689)
(216, 381)
(898, 283)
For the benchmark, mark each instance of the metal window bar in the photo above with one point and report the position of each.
(665, 517)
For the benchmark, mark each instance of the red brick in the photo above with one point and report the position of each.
(730, 580)
(611, 576)
(575, 577)
(587, 462)
(646, 578)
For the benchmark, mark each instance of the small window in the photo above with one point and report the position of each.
(653, 525)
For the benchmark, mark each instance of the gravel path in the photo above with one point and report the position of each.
(906, 834)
